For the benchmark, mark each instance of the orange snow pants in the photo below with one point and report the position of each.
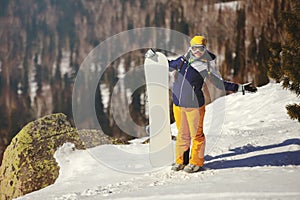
(189, 122)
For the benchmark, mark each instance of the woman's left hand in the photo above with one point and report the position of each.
(247, 87)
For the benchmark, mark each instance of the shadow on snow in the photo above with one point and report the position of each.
(272, 159)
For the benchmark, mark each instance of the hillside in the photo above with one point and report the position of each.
(254, 156)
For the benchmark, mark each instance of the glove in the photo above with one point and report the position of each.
(150, 53)
(247, 87)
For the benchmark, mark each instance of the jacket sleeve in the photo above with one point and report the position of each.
(174, 64)
(220, 83)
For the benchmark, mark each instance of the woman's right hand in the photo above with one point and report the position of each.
(150, 53)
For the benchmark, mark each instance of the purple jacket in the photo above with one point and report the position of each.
(187, 88)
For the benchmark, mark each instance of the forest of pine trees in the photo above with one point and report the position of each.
(284, 63)
(44, 42)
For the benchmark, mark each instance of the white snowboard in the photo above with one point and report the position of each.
(157, 83)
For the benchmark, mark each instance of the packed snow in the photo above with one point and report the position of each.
(256, 155)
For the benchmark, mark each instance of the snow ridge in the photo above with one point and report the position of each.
(162, 178)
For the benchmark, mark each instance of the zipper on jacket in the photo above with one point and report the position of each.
(180, 93)
(193, 93)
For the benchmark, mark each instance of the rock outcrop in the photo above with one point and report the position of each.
(28, 163)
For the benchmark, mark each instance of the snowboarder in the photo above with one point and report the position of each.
(189, 103)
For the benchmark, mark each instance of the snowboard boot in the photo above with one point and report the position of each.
(192, 168)
(177, 167)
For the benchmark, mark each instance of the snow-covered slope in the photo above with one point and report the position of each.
(255, 155)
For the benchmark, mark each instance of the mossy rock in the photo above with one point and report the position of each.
(28, 163)
(93, 138)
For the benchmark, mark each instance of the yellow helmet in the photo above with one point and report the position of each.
(198, 40)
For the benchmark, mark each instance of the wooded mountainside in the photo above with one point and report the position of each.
(44, 42)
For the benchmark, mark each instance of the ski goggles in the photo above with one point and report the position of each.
(198, 48)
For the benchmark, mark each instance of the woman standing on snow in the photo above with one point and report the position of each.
(189, 103)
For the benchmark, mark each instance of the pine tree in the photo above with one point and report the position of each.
(262, 58)
(284, 64)
(240, 59)
(99, 107)
(252, 54)
(228, 62)
(137, 109)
